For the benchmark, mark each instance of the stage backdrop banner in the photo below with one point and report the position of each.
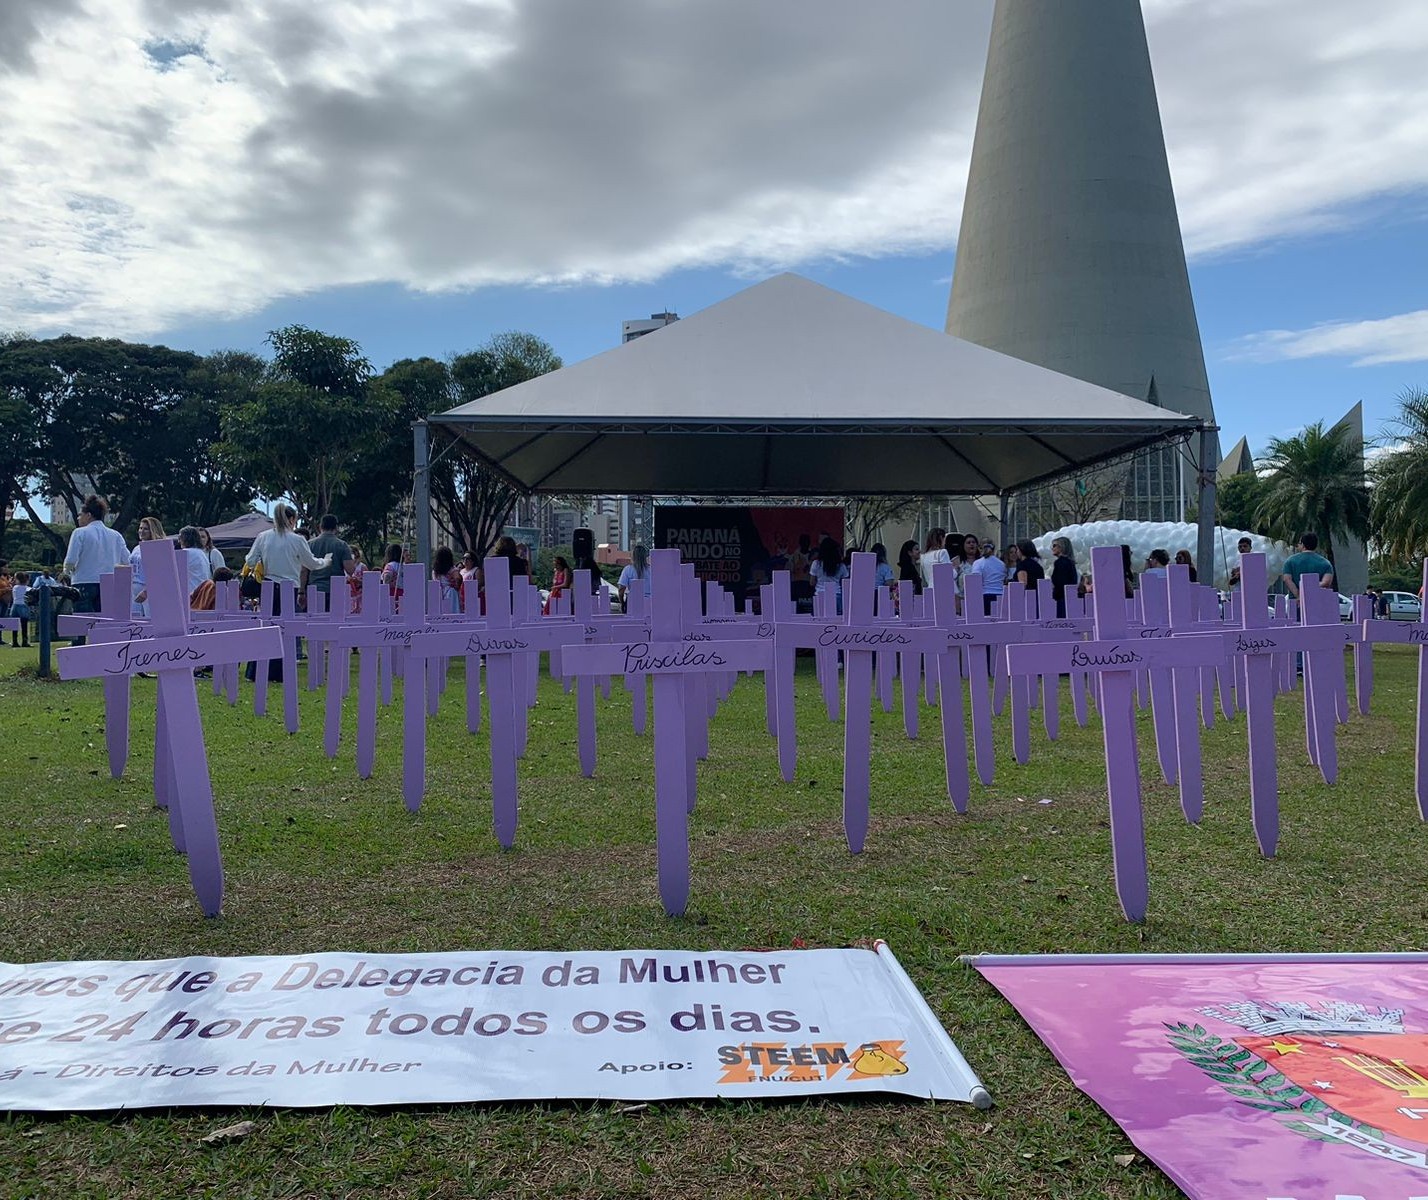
(1278, 1077)
(420, 1028)
(741, 546)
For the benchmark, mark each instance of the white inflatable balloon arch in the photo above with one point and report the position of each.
(1144, 536)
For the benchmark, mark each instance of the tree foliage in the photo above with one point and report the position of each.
(470, 502)
(1315, 481)
(98, 414)
(412, 388)
(310, 419)
(194, 440)
(1400, 483)
(1237, 501)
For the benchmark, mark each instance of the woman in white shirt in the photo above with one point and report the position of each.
(195, 559)
(149, 531)
(215, 555)
(282, 553)
(934, 551)
(828, 571)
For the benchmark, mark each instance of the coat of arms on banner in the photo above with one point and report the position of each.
(1335, 1072)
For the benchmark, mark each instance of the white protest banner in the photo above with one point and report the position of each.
(424, 1028)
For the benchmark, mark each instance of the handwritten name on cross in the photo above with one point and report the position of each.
(1255, 644)
(173, 653)
(505, 646)
(1115, 658)
(671, 660)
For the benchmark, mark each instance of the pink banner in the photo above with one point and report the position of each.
(1256, 1077)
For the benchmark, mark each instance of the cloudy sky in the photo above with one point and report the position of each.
(419, 175)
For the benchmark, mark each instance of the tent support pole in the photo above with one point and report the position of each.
(421, 490)
(1209, 467)
(1003, 503)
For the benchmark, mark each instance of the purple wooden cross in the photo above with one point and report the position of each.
(1363, 653)
(1155, 612)
(1114, 658)
(1187, 683)
(115, 594)
(505, 646)
(985, 646)
(1256, 644)
(672, 660)
(1415, 634)
(174, 653)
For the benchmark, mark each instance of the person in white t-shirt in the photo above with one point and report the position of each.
(282, 553)
(94, 550)
(934, 551)
(216, 561)
(194, 558)
(994, 578)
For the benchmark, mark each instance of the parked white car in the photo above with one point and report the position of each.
(1346, 607)
(1403, 606)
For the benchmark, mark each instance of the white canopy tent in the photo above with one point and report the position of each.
(789, 388)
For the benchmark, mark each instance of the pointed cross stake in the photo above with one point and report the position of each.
(372, 633)
(1363, 653)
(1187, 685)
(1115, 657)
(584, 684)
(1155, 609)
(173, 652)
(909, 665)
(948, 663)
(505, 646)
(114, 601)
(1414, 634)
(1323, 692)
(985, 641)
(1015, 600)
(1073, 627)
(1255, 646)
(673, 658)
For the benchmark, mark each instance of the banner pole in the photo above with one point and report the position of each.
(976, 1091)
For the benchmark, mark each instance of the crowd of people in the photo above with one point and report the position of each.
(327, 561)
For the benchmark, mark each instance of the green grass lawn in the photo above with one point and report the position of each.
(319, 860)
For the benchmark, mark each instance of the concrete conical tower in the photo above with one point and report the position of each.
(1070, 254)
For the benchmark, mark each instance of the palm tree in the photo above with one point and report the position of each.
(1315, 480)
(1400, 483)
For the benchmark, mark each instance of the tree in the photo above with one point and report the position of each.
(864, 516)
(1237, 501)
(201, 488)
(1315, 481)
(17, 442)
(99, 413)
(471, 503)
(308, 421)
(1092, 497)
(382, 476)
(1400, 483)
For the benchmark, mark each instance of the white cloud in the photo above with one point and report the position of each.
(1398, 339)
(168, 159)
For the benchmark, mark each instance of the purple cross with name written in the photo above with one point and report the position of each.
(505, 646)
(672, 658)
(173, 653)
(1412, 634)
(1115, 657)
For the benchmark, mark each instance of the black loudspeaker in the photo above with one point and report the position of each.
(582, 547)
